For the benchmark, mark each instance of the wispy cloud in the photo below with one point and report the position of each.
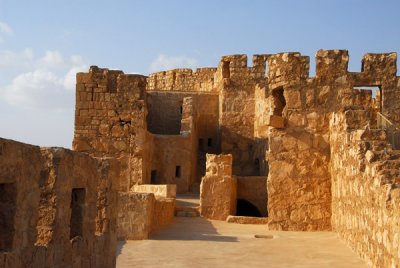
(164, 62)
(44, 83)
(5, 30)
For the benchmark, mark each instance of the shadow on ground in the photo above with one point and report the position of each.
(201, 230)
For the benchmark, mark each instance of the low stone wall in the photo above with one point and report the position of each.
(163, 214)
(165, 190)
(247, 220)
(365, 189)
(218, 188)
(140, 214)
(135, 213)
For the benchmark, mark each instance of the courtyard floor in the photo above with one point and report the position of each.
(198, 242)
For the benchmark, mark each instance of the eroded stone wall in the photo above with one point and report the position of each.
(61, 216)
(110, 120)
(218, 188)
(365, 188)
(299, 180)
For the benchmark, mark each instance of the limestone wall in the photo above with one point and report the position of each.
(167, 190)
(299, 182)
(110, 120)
(254, 190)
(218, 188)
(236, 87)
(54, 203)
(365, 188)
(182, 80)
(135, 212)
(140, 214)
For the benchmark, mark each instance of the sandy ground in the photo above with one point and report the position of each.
(197, 242)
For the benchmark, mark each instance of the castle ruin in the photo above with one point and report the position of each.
(265, 144)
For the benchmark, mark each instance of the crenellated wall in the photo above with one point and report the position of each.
(299, 182)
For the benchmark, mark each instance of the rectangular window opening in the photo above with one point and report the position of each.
(8, 198)
(153, 177)
(376, 95)
(178, 171)
(77, 208)
(209, 142)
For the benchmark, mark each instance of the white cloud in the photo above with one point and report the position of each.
(164, 62)
(52, 59)
(16, 60)
(46, 83)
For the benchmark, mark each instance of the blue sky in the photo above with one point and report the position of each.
(44, 43)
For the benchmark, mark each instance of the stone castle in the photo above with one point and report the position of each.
(265, 144)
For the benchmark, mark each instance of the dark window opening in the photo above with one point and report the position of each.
(226, 73)
(201, 145)
(178, 171)
(153, 177)
(8, 196)
(279, 101)
(209, 142)
(257, 166)
(181, 109)
(77, 208)
(245, 208)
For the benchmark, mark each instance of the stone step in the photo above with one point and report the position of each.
(187, 211)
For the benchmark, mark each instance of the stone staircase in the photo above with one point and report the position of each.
(187, 205)
(187, 211)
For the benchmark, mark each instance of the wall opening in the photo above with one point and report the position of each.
(77, 209)
(153, 177)
(257, 166)
(178, 171)
(376, 95)
(279, 101)
(8, 200)
(245, 208)
(226, 73)
(209, 142)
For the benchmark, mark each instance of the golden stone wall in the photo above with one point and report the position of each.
(44, 228)
(365, 188)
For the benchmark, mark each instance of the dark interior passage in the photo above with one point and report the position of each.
(245, 208)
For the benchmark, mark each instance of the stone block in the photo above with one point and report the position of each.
(276, 121)
(217, 197)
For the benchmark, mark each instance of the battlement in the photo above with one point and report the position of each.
(182, 80)
(288, 66)
(109, 81)
(384, 63)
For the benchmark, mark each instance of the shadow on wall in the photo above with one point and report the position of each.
(245, 208)
(120, 246)
(200, 230)
(248, 155)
